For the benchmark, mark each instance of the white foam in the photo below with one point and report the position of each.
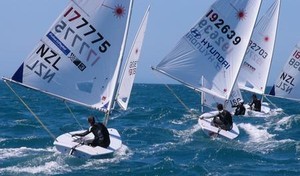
(48, 168)
(6, 153)
(177, 122)
(2, 139)
(99, 164)
(20, 121)
(53, 163)
(186, 118)
(41, 161)
(283, 124)
(186, 135)
(123, 153)
(260, 140)
(256, 133)
(156, 148)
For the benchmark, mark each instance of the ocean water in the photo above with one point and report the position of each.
(160, 137)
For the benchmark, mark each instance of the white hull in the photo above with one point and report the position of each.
(213, 131)
(76, 146)
(265, 111)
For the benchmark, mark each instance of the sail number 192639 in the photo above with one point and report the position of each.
(224, 28)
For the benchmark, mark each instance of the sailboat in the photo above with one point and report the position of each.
(213, 50)
(287, 83)
(255, 68)
(79, 60)
(130, 69)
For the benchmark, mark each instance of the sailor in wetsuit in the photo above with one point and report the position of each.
(240, 108)
(100, 132)
(223, 119)
(256, 102)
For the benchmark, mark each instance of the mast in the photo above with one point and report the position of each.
(202, 96)
(118, 67)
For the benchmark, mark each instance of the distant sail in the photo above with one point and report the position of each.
(287, 84)
(130, 69)
(79, 56)
(212, 101)
(256, 65)
(214, 48)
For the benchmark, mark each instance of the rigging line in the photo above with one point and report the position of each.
(36, 117)
(73, 114)
(273, 104)
(106, 118)
(182, 103)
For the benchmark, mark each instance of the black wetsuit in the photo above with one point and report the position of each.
(257, 105)
(101, 135)
(240, 109)
(223, 120)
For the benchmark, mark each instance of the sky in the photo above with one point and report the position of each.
(24, 22)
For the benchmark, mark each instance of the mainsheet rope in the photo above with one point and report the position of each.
(73, 115)
(36, 117)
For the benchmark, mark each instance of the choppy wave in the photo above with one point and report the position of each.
(160, 137)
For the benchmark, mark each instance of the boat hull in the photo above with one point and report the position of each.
(77, 146)
(213, 131)
(265, 111)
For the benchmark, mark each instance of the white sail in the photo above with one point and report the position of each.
(211, 101)
(130, 68)
(254, 72)
(287, 84)
(79, 56)
(213, 49)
